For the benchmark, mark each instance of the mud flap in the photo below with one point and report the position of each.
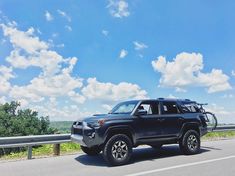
(211, 121)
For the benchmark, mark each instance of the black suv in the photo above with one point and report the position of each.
(152, 122)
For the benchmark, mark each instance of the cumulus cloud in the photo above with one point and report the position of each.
(64, 15)
(54, 91)
(233, 73)
(48, 16)
(5, 75)
(107, 107)
(118, 8)
(186, 70)
(24, 40)
(69, 28)
(123, 53)
(139, 45)
(112, 92)
(105, 32)
(29, 50)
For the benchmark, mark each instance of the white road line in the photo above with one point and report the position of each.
(180, 166)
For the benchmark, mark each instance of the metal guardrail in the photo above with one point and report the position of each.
(57, 139)
(36, 140)
(225, 128)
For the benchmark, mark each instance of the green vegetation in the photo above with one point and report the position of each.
(61, 126)
(18, 122)
(219, 135)
(43, 151)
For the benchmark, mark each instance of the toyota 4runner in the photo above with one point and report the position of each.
(143, 122)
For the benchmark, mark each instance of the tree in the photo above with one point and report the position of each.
(17, 122)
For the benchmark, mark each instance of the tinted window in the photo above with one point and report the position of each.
(189, 107)
(151, 107)
(169, 108)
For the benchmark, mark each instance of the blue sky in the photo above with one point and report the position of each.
(115, 50)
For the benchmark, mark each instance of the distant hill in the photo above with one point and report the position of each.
(62, 126)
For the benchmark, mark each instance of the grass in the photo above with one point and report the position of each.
(70, 148)
(44, 150)
(219, 135)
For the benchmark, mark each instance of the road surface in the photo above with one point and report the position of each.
(216, 158)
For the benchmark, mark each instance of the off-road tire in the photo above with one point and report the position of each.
(190, 142)
(113, 152)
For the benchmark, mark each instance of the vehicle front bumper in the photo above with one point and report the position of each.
(78, 139)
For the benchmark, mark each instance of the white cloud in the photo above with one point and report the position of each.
(107, 107)
(3, 100)
(69, 28)
(186, 70)
(171, 96)
(55, 35)
(226, 96)
(139, 45)
(118, 8)
(123, 53)
(112, 92)
(105, 32)
(233, 73)
(48, 16)
(65, 15)
(25, 40)
(55, 81)
(29, 50)
(5, 75)
(67, 112)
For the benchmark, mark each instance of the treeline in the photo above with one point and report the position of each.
(21, 122)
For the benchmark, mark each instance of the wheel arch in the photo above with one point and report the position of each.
(126, 130)
(190, 126)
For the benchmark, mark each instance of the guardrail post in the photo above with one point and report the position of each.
(30, 150)
(56, 149)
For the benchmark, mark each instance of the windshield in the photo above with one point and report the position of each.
(124, 108)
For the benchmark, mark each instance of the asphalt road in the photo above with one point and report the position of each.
(216, 158)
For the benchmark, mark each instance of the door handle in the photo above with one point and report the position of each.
(161, 120)
(181, 119)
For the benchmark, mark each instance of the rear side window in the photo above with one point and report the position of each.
(169, 108)
(190, 108)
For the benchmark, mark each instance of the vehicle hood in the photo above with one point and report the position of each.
(96, 117)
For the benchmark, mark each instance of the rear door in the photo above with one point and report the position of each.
(172, 119)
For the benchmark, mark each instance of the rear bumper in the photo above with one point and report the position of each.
(78, 139)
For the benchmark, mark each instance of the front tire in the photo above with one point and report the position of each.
(118, 150)
(190, 142)
(91, 151)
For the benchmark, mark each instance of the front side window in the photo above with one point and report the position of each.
(124, 108)
(150, 107)
(169, 108)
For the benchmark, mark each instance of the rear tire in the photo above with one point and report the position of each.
(118, 150)
(91, 151)
(190, 142)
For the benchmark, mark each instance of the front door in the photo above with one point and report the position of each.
(148, 126)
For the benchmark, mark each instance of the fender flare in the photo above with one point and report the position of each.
(121, 129)
(188, 125)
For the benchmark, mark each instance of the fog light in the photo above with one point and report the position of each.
(92, 135)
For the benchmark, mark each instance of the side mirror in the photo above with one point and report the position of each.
(141, 112)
